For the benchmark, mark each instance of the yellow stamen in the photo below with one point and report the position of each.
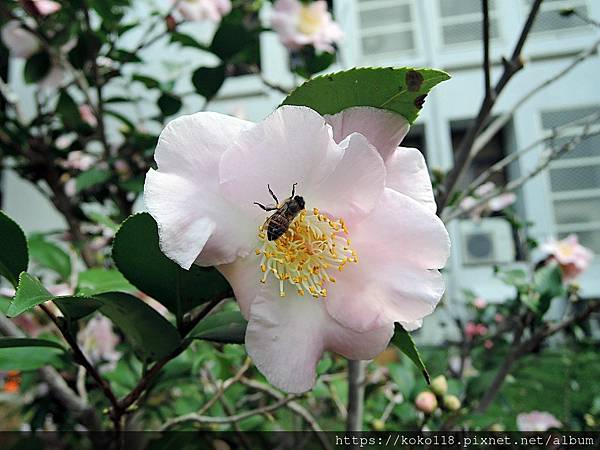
(313, 244)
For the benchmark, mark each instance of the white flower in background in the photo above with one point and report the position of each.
(497, 203)
(537, 421)
(98, 342)
(299, 24)
(196, 10)
(363, 253)
(572, 257)
(20, 42)
(79, 160)
(46, 7)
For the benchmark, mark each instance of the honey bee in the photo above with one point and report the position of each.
(279, 222)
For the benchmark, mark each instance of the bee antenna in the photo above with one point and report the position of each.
(294, 188)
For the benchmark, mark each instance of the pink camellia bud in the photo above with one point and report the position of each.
(481, 329)
(87, 115)
(488, 344)
(426, 402)
(479, 303)
(499, 318)
(572, 257)
(46, 7)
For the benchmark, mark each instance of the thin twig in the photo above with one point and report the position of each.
(226, 385)
(195, 417)
(356, 395)
(292, 406)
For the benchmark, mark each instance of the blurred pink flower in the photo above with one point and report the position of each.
(20, 42)
(46, 7)
(537, 421)
(479, 303)
(473, 330)
(87, 115)
(98, 342)
(488, 344)
(211, 169)
(499, 318)
(426, 402)
(196, 10)
(572, 257)
(299, 24)
(497, 203)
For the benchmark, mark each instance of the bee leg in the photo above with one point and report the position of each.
(272, 194)
(266, 208)
(294, 189)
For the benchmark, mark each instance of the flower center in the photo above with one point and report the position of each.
(308, 22)
(312, 247)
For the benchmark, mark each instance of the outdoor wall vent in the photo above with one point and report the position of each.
(488, 241)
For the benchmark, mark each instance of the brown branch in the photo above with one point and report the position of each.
(356, 395)
(511, 67)
(486, 48)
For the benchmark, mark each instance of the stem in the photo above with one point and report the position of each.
(486, 48)
(356, 395)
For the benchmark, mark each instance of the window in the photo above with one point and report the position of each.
(386, 26)
(461, 21)
(575, 181)
(549, 18)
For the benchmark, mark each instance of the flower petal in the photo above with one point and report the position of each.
(354, 187)
(292, 145)
(287, 336)
(196, 224)
(383, 129)
(243, 275)
(407, 173)
(399, 245)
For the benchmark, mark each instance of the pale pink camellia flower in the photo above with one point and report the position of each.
(426, 402)
(572, 257)
(497, 203)
(537, 421)
(19, 41)
(363, 254)
(196, 10)
(299, 24)
(87, 115)
(479, 303)
(46, 7)
(98, 342)
(79, 160)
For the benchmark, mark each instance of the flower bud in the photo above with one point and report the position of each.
(497, 427)
(426, 402)
(451, 403)
(439, 385)
(378, 424)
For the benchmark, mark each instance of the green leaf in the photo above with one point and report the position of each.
(13, 249)
(548, 284)
(138, 256)
(10, 342)
(151, 335)
(169, 104)
(37, 67)
(186, 40)
(50, 255)
(405, 343)
(230, 38)
(96, 281)
(30, 293)
(92, 178)
(228, 327)
(77, 307)
(28, 354)
(401, 90)
(67, 110)
(149, 82)
(208, 80)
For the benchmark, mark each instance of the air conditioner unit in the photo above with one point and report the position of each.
(487, 241)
